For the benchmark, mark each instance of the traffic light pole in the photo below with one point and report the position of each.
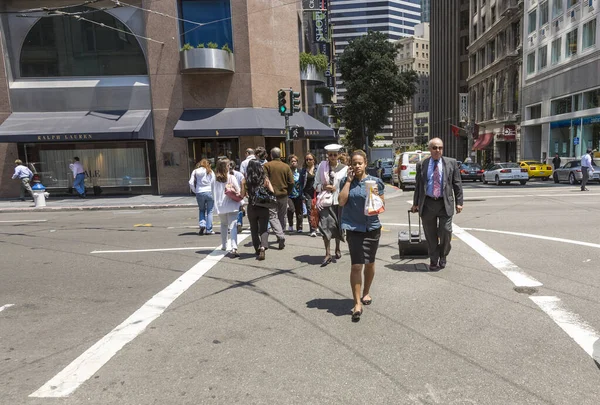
(288, 139)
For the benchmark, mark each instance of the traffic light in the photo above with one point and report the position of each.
(281, 101)
(295, 102)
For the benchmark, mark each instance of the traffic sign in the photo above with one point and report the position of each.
(296, 132)
(576, 141)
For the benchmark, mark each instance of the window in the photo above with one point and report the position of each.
(219, 31)
(63, 46)
(535, 112)
(557, 8)
(571, 43)
(571, 3)
(482, 24)
(591, 99)
(543, 57)
(493, 11)
(543, 13)
(532, 26)
(556, 49)
(562, 105)
(531, 63)
(589, 34)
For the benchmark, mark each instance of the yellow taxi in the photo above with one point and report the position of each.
(537, 170)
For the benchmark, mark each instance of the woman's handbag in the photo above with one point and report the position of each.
(314, 213)
(324, 199)
(263, 197)
(232, 193)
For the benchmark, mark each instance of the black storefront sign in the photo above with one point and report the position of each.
(325, 49)
(321, 27)
(312, 5)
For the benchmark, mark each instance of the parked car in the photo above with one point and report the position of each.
(384, 169)
(537, 170)
(404, 170)
(571, 172)
(471, 171)
(499, 173)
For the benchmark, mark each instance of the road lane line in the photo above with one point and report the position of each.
(582, 333)
(3, 307)
(530, 235)
(154, 250)
(85, 366)
(23, 220)
(506, 267)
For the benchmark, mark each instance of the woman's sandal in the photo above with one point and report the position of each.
(356, 315)
(366, 302)
(326, 261)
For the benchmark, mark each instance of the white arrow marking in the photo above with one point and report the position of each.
(3, 307)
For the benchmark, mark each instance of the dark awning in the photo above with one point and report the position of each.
(232, 122)
(483, 141)
(77, 126)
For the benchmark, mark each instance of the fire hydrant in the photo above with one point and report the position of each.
(39, 195)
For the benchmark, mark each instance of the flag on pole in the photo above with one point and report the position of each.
(455, 130)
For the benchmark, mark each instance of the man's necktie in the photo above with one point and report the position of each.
(437, 183)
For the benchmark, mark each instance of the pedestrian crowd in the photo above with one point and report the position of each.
(341, 201)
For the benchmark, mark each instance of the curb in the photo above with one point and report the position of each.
(97, 208)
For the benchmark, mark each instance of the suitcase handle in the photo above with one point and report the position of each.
(410, 230)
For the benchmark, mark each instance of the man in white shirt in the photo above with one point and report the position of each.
(25, 175)
(586, 168)
(249, 156)
(78, 176)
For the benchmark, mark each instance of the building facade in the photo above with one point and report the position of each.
(139, 97)
(561, 86)
(449, 69)
(495, 57)
(413, 55)
(425, 11)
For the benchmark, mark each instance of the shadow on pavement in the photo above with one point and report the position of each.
(338, 307)
(188, 234)
(309, 259)
(409, 267)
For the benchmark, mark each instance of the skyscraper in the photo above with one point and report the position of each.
(352, 19)
(448, 72)
(425, 6)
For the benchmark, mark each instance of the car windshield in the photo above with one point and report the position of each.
(534, 163)
(509, 165)
(471, 166)
(387, 163)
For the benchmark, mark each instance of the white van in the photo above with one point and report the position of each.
(405, 168)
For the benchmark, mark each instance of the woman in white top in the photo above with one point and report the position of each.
(226, 208)
(327, 180)
(201, 184)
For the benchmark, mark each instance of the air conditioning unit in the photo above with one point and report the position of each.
(531, 41)
(572, 14)
(543, 33)
(556, 23)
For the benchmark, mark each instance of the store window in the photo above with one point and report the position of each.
(561, 137)
(215, 14)
(562, 105)
(62, 46)
(213, 150)
(571, 43)
(106, 164)
(589, 34)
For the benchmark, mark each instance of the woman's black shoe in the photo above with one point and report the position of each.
(356, 315)
(326, 261)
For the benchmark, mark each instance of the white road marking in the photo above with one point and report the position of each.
(184, 227)
(395, 224)
(23, 220)
(508, 268)
(582, 333)
(529, 235)
(532, 195)
(154, 250)
(3, 307)
(86, 365)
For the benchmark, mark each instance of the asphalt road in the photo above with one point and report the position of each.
(513, 319)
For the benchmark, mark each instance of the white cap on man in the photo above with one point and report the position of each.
(333, 147)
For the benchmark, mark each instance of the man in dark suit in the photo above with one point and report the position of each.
(437, 192)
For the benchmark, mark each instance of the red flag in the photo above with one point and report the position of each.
(455, 130)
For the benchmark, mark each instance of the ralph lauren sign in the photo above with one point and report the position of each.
(80, 137)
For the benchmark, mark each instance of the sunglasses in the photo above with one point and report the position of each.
(437, 148)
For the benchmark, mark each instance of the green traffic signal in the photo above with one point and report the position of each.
(281, 101)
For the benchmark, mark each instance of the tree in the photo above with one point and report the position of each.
(373, 84)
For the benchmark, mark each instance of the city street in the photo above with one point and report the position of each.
(133, 307)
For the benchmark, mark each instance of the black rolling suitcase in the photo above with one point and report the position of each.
(412, 243)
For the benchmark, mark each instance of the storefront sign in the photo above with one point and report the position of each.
(321, 27)
(310, 5)
(464, 107)
(306, 133)
(325, 49)
(81, 137)
(510, 132)
(591, 120)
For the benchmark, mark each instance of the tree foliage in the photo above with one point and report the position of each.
(373, 84)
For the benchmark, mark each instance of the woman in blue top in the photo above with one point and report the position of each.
(362, 231)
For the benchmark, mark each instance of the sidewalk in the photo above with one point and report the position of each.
(124, 202)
